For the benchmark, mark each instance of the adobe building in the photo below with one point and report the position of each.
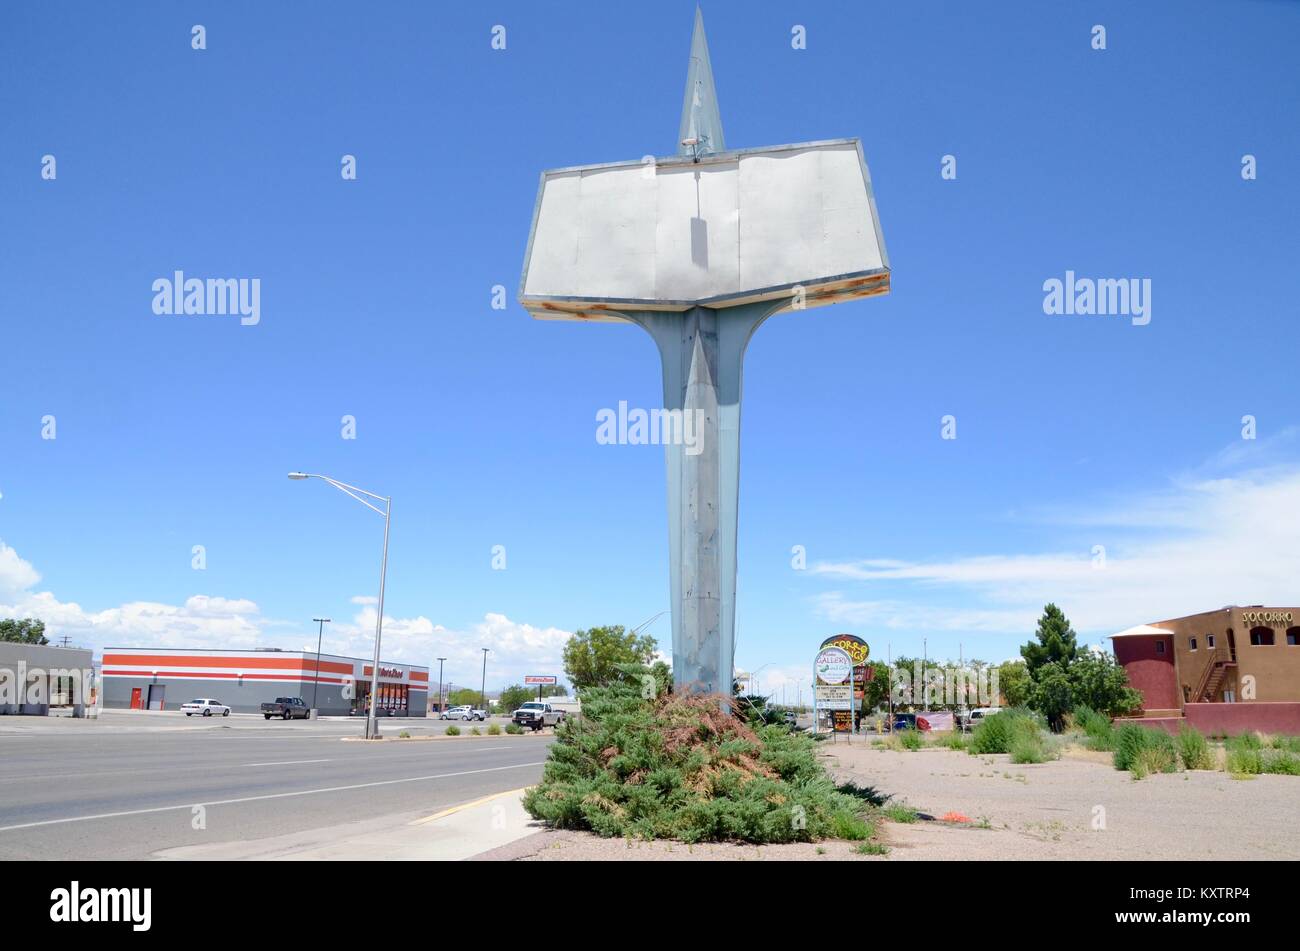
(162, 678)
(1224, 672)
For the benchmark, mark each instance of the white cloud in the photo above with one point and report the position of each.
(1202, 544)
(213, 622)
(16, 575)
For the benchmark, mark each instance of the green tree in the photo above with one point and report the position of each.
(1014, 683)
(24, 631)
(464, 697)
(515, 696)
(592, 657)
(1102, 684)
(1056, 642)
(875, 692)
(1052, 694)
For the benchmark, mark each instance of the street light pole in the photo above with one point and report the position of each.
(440, 703)
(316, 683)
(372, 725)
(482, 687)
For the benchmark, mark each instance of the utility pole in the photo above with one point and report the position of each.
(320, 633)
(925, 693)
(482, 687)
(441, 703)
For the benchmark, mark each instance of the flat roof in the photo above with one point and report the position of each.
(255, 652)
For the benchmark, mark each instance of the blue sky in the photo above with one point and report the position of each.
(1072, 432)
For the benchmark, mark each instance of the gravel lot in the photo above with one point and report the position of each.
(1042, 811)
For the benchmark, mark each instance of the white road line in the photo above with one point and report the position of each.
(287, 762)
(284, 795)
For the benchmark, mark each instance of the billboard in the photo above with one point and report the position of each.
(715, 230)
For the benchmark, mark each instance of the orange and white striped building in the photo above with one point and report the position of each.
(162, 678)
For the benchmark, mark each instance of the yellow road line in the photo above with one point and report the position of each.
(468, 805)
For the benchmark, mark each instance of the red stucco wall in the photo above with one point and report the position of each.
(1229, 719)
(1151, 673)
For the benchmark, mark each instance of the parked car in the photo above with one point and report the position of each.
(287, 708)
(790, 718)
(465, 712)
(205, 708)
(974, 718)
(536, 714)
(903, 721)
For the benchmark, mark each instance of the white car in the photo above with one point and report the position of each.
(205, 708)
(463, 713)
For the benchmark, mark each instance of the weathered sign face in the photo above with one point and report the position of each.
(790, 221)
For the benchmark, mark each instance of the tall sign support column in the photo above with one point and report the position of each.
(702, 354)
(663, 244)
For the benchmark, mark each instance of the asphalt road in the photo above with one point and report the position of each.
(125, 787)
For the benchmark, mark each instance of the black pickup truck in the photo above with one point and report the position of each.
(286, 708)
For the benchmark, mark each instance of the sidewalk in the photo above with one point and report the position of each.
(448, 836)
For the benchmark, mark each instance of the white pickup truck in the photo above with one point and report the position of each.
(537, 714)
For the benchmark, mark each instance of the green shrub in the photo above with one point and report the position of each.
(1028, 744)
(899, 813)
(453, 730)
(494, 729)
(680, 767)
(405, 735)
(910, 739)
(872, 848)
(994, 734)
(475, 731)
(954, 740)
(1250, 755)
(1194, 750)
(1244, 754)
(1144, 750)
(1097, 727)
(1283, 762)
(514, 729)
(1289, 743)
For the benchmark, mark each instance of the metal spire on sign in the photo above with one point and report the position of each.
(701, 127)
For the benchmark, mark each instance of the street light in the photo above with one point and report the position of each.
(482, 687)
(316, 683)
(440, 660)
(372, 725)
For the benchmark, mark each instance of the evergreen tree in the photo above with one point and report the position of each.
(1056, 642)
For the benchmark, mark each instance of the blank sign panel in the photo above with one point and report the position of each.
(731, 228)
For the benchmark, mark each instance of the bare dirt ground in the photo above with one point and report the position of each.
(1077, 807)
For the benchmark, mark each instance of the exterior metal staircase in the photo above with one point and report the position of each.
(1212, 677)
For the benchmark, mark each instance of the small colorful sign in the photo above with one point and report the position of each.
(833, 666)
(851, 644)
(535, 680)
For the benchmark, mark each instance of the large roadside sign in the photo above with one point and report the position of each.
(540, 680)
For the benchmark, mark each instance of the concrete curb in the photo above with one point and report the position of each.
(470, 805)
